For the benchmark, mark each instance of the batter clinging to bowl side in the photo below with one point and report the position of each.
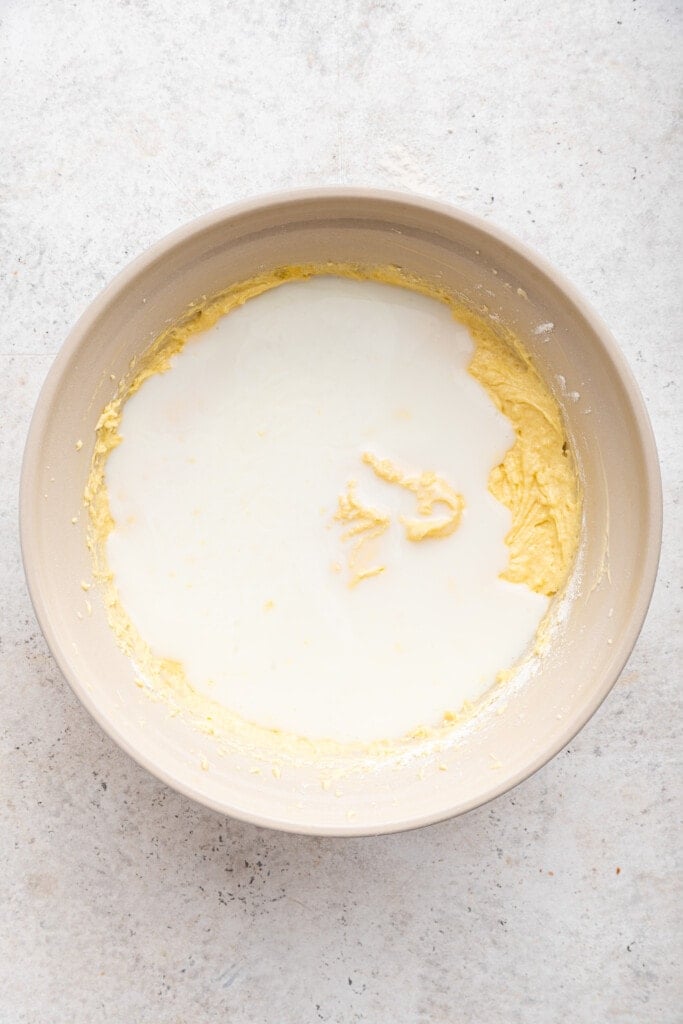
(339, 516)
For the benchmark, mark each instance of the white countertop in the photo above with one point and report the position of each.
(123, 901)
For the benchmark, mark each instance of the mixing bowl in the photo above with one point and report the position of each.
(606, 420)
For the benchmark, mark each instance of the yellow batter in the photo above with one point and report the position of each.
(537, 478)
(366, 524)
(536, 481)
(430, 490)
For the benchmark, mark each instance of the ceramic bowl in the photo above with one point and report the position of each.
(606, 420)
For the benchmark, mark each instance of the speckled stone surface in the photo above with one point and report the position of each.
(124, 902)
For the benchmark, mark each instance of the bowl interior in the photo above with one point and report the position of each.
(606, 421)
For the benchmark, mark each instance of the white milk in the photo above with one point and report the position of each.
(226, 552)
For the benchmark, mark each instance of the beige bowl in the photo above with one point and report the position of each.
(606, 420)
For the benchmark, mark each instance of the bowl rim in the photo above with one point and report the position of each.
(351, 194)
